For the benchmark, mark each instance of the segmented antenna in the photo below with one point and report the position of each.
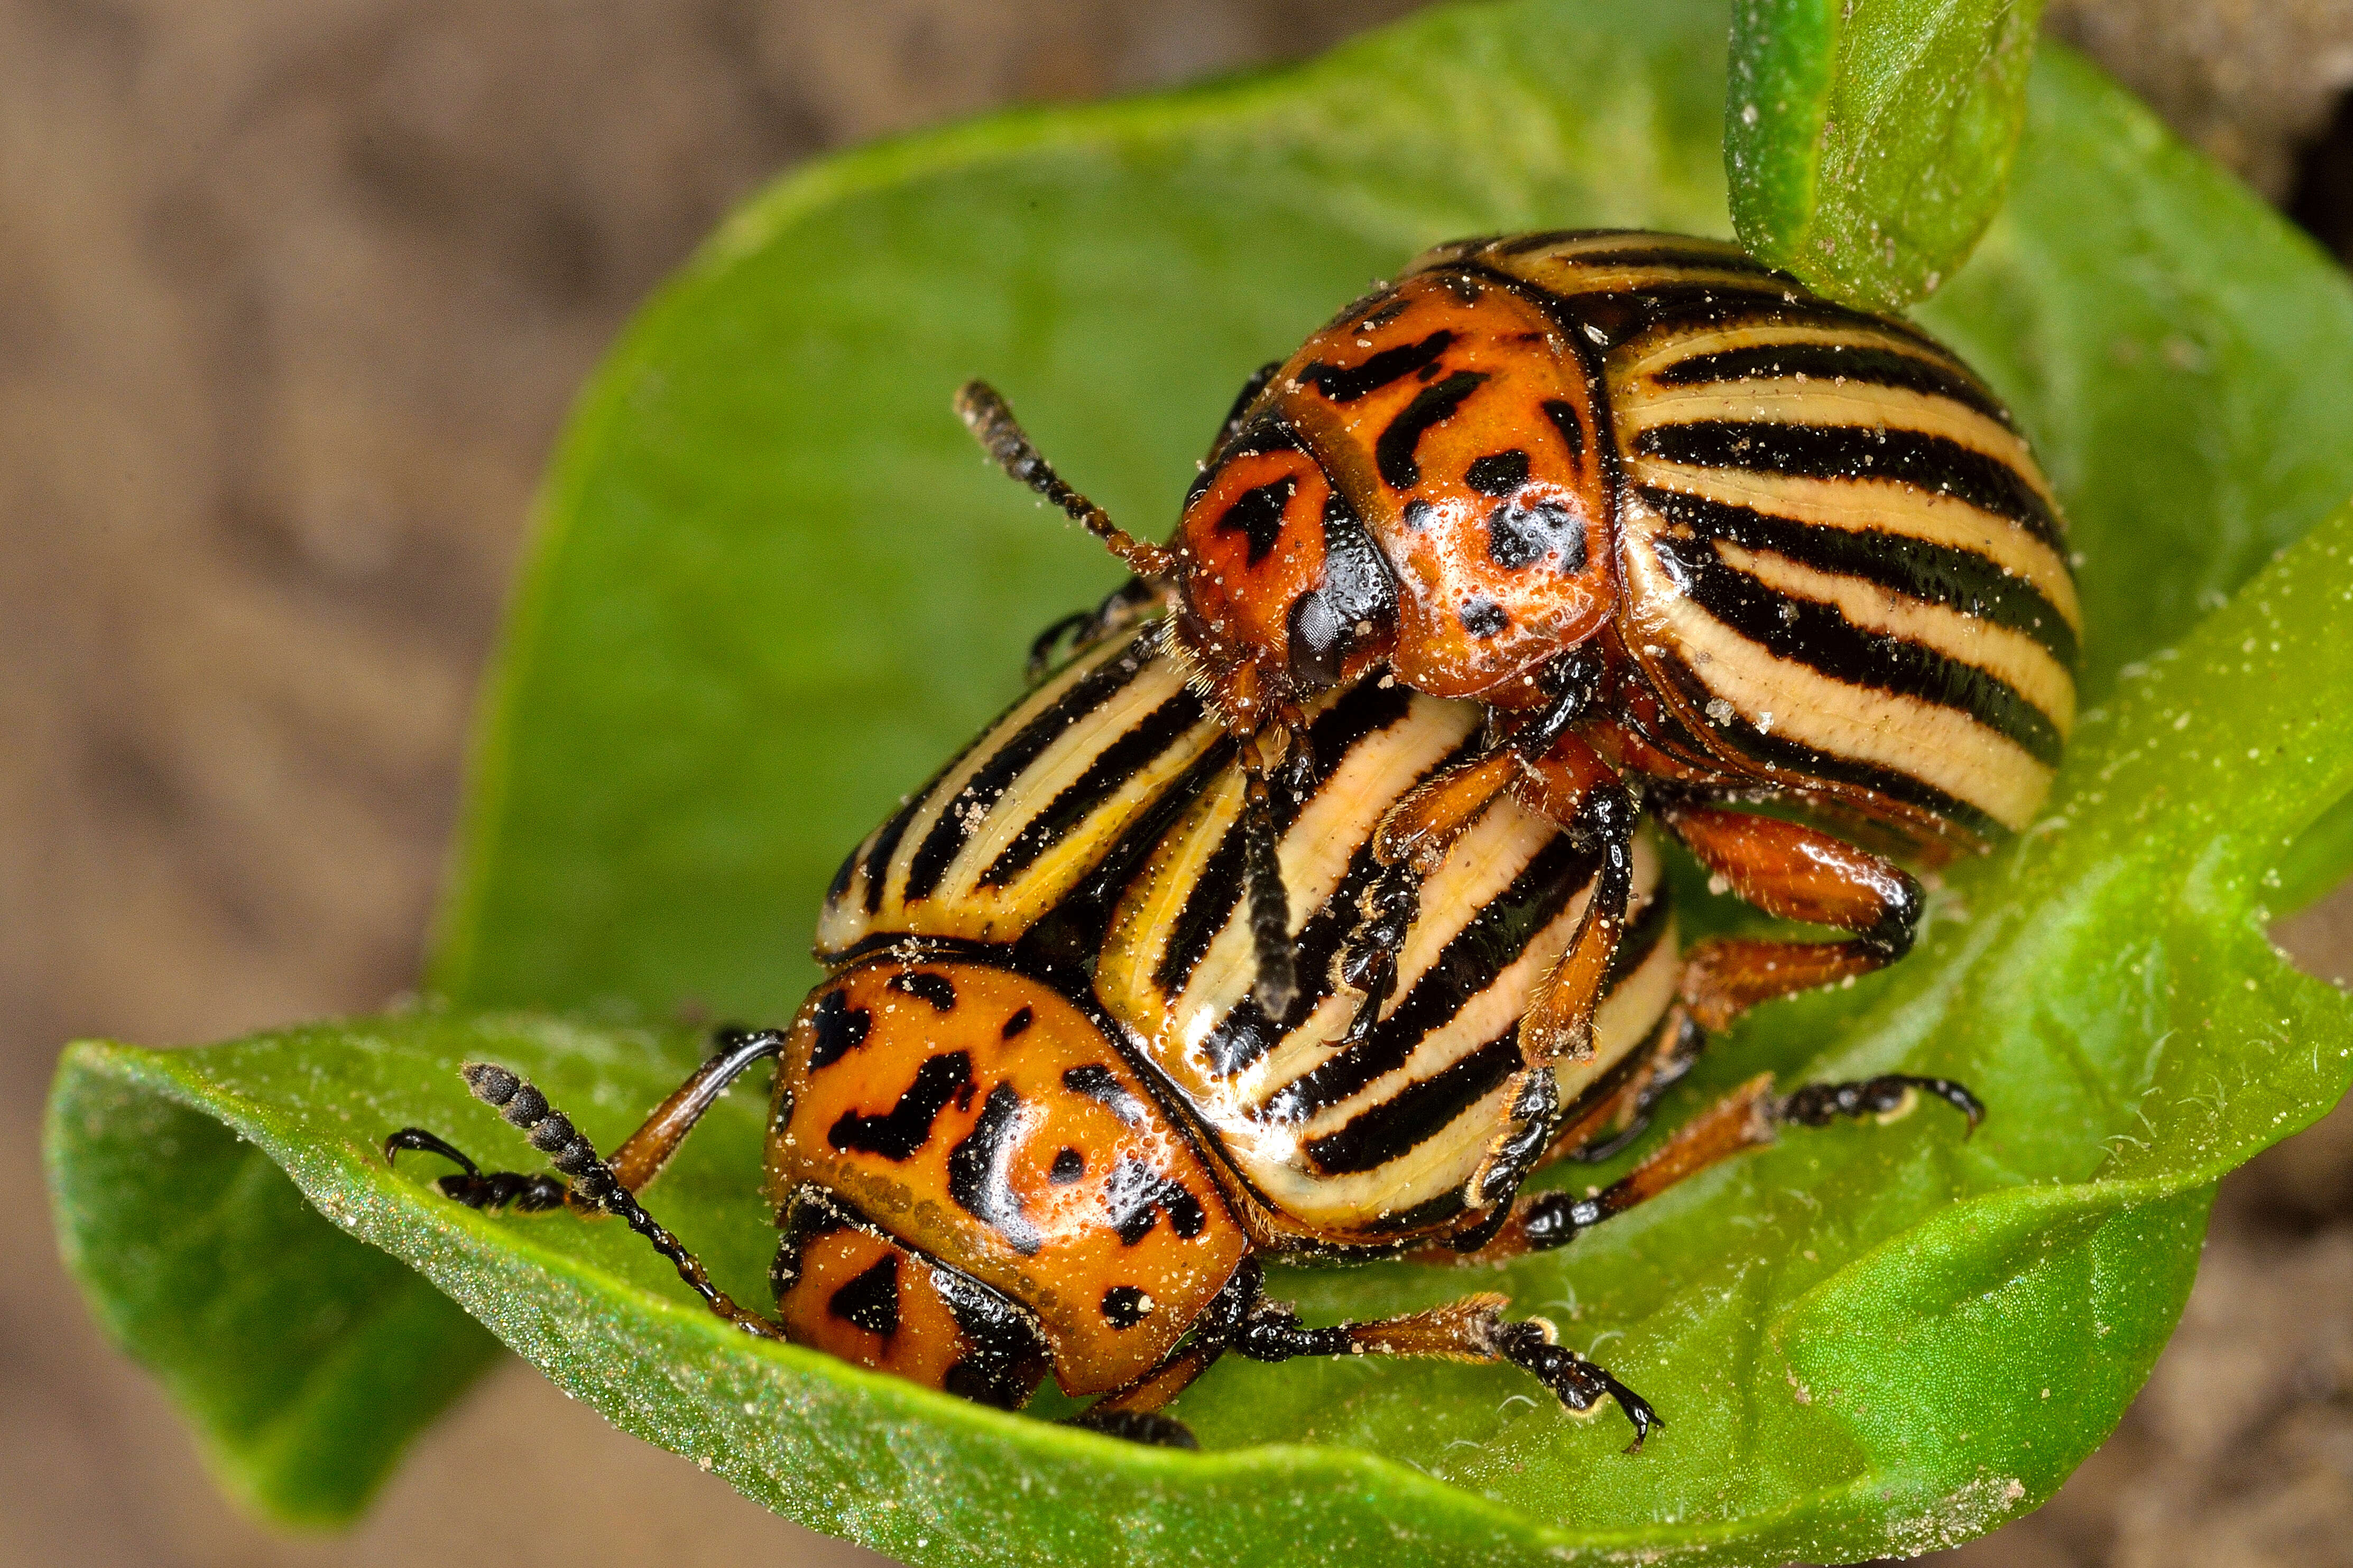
(992, 424)
(553, 1135)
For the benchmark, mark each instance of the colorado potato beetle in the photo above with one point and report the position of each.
(1037, 1120)
(1691, 534)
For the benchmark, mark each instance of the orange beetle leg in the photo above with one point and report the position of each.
(1574, 787)
(1748, 1117)
(1473, 1330)
(1419, 829)
(1599, 1131)
(1796, 873)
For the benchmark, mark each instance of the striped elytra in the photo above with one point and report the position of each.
(1317, 1139)
(1012, 829)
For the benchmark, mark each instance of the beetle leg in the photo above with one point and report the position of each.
(637, 1161)
(475, 1187)
(598, 1184)
(1526, 1130)
(1748, 1117)
(1368, 965)
(1416, 833)
(1472, 1329)
(1276, 751)
(1571, 784)
(1797, 873)
(1602, 1131)
(1121, 608)
(1277, 986)
(1411, 842)
(1419, 830)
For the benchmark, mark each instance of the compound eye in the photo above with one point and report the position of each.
(1354, 607)
(1319, 643)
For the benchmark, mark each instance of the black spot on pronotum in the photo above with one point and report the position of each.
(1482, 618)
(1347, 384)
(980, 1172)
(1393, 453)
(840, 1028)
(1137, 1197)
(932, 988)
(1019, 1023)
(1563, 414)
(1519, 536)
(870, 1301)
(1258, 513)
(1095, 1081)
(1418, 514)
(1498, 473)
(1068, 1166)
(898, 1132)
(1124, 1306)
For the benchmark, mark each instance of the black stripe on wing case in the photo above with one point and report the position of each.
(1468, 962)
(1817, 636)
(1934, 573)
(1124, 758)
(1206, 909)
(1799, 762)
(980, 794)
(1857, 452)
(1366, 708)
(1418, 1112)
(1831, 362)
(886, 842)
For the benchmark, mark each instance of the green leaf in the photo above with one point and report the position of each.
(775, 586)
(1867, 143)
(1866, 1341)
(305, 1361)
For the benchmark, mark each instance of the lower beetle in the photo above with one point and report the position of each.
(1036, 1119)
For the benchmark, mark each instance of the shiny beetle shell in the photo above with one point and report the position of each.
(1820, 556)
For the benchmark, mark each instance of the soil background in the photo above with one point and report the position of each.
(293, 294)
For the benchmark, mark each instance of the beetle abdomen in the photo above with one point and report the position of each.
(848, 1288)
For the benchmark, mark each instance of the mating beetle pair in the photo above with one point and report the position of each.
(1314, 916)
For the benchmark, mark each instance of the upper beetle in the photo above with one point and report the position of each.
(1689, 533)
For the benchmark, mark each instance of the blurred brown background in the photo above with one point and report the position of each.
(292, 296)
